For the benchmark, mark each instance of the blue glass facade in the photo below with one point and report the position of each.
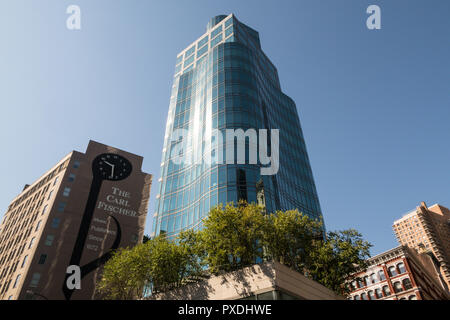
(225, 81)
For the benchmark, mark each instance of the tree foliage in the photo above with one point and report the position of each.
(233, 237)
(289, 238)
(125, 274)
(334, 260)
(158, 263)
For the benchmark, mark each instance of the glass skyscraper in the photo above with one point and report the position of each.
(225, 81)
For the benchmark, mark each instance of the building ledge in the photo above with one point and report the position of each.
(250, 281)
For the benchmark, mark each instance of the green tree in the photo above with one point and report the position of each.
(166, 265)
(231, 237)
(333, 261)
(234, 237)
(191, 250)
(125, 274)
(289, 237)
(161, 263)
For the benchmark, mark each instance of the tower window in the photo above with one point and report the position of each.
(66, 192)
(35, 280)
(42, 259)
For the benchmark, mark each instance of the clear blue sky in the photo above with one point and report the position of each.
(374, 105)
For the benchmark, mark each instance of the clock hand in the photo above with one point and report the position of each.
(112, 168)
(112, 171)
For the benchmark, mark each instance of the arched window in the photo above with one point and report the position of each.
(373, 278)
(407, 283)
(360, 283)
(386, 291)
(366, 280)
(401, 268)
(364, 296)
(412, 297)
(378, 293)
(403, 298)
(371, 295)
(381, 275)
(398, 287)
(356, 297)
(392, 271)
(353, 285)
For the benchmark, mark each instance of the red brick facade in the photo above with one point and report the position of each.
(398, 274)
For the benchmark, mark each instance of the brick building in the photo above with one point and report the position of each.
(399, 274)
(80, 209)
(427, 228)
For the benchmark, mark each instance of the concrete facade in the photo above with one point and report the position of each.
(267, 281)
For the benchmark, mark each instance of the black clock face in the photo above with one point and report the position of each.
(110, 166)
